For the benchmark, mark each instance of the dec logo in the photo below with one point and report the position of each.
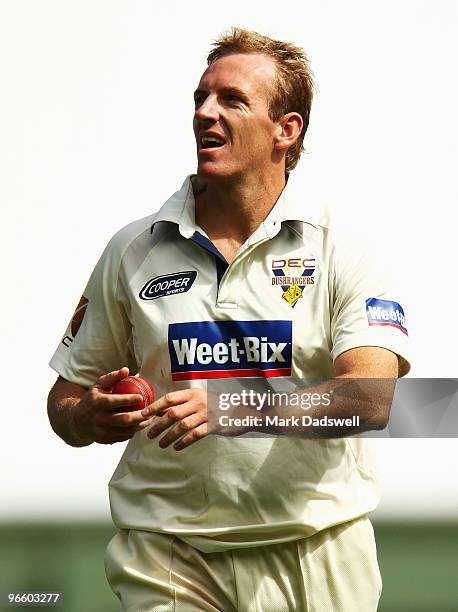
(295, 262)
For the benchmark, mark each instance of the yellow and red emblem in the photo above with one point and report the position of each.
(292, 294)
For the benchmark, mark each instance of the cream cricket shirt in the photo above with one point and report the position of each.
(164, 302)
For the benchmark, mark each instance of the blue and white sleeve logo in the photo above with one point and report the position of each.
(224, 349)
(386, 312)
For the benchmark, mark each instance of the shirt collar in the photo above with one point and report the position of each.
(180, 209)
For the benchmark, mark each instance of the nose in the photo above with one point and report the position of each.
(208, 109)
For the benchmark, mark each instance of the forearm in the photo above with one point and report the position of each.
(63, 405)
(337, 408)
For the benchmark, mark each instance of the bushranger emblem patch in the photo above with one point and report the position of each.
(293, 274)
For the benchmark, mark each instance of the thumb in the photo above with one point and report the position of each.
(108, 380)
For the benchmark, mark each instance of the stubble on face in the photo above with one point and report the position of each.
(233, 100)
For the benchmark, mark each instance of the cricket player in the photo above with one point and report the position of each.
(232, 277)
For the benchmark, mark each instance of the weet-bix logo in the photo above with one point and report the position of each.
(386, 312)
(223, 349)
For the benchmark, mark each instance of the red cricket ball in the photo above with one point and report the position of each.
(135, 384)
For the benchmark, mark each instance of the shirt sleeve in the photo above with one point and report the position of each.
(98, 338)
(366, 306)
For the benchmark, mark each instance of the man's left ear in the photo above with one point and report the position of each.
(288, 130)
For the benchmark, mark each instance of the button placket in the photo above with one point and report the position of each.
(229, 287)
(228, 290)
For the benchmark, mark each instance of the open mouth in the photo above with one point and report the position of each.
(211, 142)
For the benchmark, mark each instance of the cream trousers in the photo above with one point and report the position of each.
(335, 570)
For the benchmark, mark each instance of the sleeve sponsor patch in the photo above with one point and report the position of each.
(386, 313)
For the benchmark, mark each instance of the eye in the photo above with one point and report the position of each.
(198, 100)
(233, 98)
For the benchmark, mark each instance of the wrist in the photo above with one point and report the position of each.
(78, 424)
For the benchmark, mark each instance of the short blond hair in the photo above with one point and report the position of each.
(293, 91)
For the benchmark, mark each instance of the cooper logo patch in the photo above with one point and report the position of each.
(293, 274)
(386, 312)
(168, 284)
(224, 349)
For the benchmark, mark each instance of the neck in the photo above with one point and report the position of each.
(234, 209)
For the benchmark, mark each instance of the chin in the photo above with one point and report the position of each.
(212, 171)
(208, 171)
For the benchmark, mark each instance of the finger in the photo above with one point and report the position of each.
(108, 380)
(116, 401)
(129, 419)
(160, 425)
(172, 415)
(173, 398)
(182, 428)
(193, 436)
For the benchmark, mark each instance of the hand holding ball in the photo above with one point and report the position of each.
(135, 384)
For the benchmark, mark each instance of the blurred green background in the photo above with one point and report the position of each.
(418, 561)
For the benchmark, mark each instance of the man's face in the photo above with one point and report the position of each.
(234, 134)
